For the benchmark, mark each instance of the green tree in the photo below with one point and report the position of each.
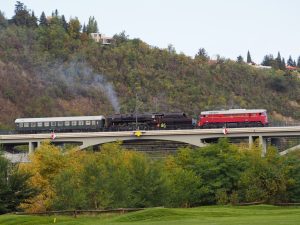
(265, 177)
(64, 23)
(202, 55)
(249, 60)
(14, 187)
(3, 20)
(22, 16)
(292, 166)
(291, 62)
(43, 20)
(146, 182)
(92, 26)
(240, 59)
(74, 28)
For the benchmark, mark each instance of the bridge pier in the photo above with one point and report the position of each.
(32, 145)
(263, 145)
(251, 140)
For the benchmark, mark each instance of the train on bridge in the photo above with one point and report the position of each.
(145, 121)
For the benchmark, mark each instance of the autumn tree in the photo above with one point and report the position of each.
(46, 163)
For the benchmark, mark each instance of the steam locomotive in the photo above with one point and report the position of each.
(144, 121)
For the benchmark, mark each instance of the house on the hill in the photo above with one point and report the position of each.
(291, 68)
(258, 66)
(101, 38)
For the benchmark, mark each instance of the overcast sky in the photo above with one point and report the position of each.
(225, 27)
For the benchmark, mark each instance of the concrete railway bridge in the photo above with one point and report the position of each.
(196, 137)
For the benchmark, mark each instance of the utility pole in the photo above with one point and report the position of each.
(136, 108)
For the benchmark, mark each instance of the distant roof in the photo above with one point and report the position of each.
(291, 67)
(234, 111)
(53, 119)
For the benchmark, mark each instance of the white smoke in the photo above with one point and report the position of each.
(78, 75)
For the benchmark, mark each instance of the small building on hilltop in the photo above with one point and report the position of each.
(101, 38)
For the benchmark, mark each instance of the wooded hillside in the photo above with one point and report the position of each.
(55, 69)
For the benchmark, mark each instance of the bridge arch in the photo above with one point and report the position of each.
(193, 140)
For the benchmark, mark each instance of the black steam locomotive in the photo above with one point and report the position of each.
(118, 122)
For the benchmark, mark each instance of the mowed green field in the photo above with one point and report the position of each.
(211, 215)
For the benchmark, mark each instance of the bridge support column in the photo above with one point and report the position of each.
(31, 147)
(263, 145)
(250, 141)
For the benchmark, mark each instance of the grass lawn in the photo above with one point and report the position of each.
(208, 215)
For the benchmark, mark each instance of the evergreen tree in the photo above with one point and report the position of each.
(240, 59)
(33, 20)
(22, 16)
(298, 62)
(278, 61)
(43, 20)
(3, 21)
(267, 60)
(249, 60)
(283, 63)
(291, 62)
(84, 30)
(64, 23)
(74, 28)
(202, 54)
(92, 26)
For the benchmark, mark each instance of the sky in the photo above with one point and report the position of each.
(228, 28)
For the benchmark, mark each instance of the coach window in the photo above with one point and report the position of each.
(26, 124)
(88, 123)
(53, 124)
(20, 124)
(67, 123)
(93, 122)
(32, 124)
(40, 124)
(74, 123)
(60, 123)
(46, 124)
(80, 123)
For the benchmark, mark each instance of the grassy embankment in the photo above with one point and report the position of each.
(258, 215)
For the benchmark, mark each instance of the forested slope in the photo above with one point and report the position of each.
(52, 71)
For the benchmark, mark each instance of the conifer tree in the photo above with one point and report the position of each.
(249, 60)
(240, 59)
(278, 61)
(84, 30)
(64, 23)
(3, 21)
(298, 63)
(283, 63)
(43, 20)
(202, 54)
(92, 26)
(291, 62)
(22, 16)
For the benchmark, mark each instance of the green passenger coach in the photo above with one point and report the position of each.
(60, 124)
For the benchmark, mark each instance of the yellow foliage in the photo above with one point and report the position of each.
(46, 162)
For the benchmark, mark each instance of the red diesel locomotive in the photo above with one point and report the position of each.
(233, 118)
